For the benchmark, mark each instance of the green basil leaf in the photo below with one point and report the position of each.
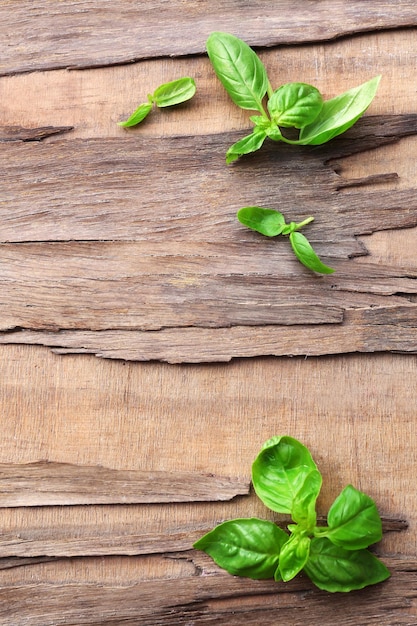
(279, 472)
(247, 144)
(137, 117)
(245, 547)
(334, 568)
(304, 505)
(265, 221)
(295, 105)
(306, 255)
(175, 92)
(353, 520)
(339, 114)
(239, 69)
(293, 556)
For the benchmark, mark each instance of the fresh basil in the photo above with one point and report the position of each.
(175, 92)
(353, 520)
(239, 69)
(247, 144)
(166, 95)
(272, 223)
(265, 221)
(245, 547)
(304, 252)
(339, 114)
(294, 555)
(138, 116)
(279, 471)
(287, 480)
(293, 105)
(333, 568)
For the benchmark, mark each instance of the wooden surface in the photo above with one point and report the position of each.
(95, 261)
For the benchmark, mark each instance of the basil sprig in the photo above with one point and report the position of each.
(295, 105)
(272, 223)
(335, 557)
(166, 95)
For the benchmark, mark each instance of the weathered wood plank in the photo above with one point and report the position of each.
(46, 484)
(108, 189)
(17, 133)
(381, 329)
(210, 272)
(33, 542)
(211, 596)
(73, 34)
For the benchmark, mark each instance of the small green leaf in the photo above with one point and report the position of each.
(293, 556)
(265, 221)
(247, 144)
(353, 520)
(245, 547)
(306, 255)
(304, 504)
(295, 105)
(339, 114)
(175, 92)
(141, 112)
(239, 69)
(334, 568)
(279, 472)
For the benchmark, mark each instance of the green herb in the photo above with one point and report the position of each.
(166, 95)
(272, 223)
(335, 557)
(293, 105)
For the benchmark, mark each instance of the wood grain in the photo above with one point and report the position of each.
(210, 596)
(214, 273)
(50, 36)
(48, 484)
(33, 542)
(74, 230)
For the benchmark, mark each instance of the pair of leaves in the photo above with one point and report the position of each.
(335, 557)
(166, 95)
(296, 105)
(272, 223)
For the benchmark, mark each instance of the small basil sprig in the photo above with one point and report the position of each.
(295, 105)
(166, 95)
(335, 557)
(272, 223)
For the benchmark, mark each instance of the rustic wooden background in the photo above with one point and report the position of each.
(124, 245)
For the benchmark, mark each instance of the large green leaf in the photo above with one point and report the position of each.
(295, 105)
(353, 520)
(245, 547)
(339, 114)
(334, 568)
(279, 472)
(239, 69)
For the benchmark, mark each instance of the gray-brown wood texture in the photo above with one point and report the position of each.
(124, 244)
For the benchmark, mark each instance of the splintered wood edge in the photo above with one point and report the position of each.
(207, 594)
(47, 484)
(87, 40)
(123, 541)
